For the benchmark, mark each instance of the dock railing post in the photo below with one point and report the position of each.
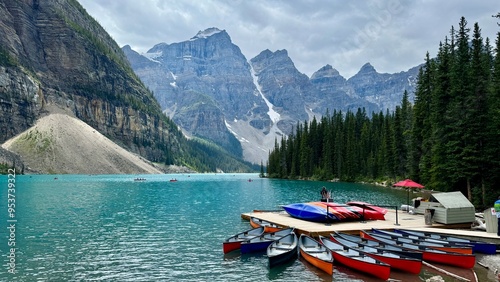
(396, 207)
(397, 224)
(327, 218)
(363, 216)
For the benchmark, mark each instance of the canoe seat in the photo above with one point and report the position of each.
(284, 244)
(316, 252)
(283, 249)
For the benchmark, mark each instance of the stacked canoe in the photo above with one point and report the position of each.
(429, 253)
(332, 212)
(477, 246)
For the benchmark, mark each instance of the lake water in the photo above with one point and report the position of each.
(112, 228)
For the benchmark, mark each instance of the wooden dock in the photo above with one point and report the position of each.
(393, 219)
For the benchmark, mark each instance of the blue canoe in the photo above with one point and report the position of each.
(309, 212)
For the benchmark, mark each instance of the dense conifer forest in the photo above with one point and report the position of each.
(448, 139)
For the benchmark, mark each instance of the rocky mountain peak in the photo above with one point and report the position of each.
(326, 71)
(267, 58)
(367, 69)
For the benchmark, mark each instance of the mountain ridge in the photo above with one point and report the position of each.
(247, 90)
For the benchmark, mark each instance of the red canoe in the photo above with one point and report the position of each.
(373, 211)
(268, 226)
(316, 253)
(357, 260)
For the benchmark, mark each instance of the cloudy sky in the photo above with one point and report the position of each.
(393, 35)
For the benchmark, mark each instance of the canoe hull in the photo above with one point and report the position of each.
(283, 258)
(306, 212)
(316, 254)
(326, 266)
(254, 247)
(408, 265)
(228, 247)
(382, 271)
(465, 261)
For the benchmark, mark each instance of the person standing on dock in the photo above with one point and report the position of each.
(497, 210)
(324, 193)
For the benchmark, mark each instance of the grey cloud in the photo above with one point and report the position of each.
(393, 35)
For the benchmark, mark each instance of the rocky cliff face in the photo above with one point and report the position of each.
(55, 57)
(288, 90)
(207, 86)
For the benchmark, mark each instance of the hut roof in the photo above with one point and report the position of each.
(451, 200)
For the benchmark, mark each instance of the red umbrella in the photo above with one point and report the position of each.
(410, 184)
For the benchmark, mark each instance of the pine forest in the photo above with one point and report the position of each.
(447, 140)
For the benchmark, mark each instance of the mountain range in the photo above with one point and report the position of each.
(212, 91)
(56, 59)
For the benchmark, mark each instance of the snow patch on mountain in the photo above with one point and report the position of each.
(255, 145)
(273, 115)
(206, 33)
(173, 75)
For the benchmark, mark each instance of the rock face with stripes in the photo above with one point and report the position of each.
(55, 58)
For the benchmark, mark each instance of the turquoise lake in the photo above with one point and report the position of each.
(112, 228)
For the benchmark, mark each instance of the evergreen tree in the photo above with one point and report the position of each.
(305, 153)
(476, 116)
(328, 146)
(440, 119)
(420, 152)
